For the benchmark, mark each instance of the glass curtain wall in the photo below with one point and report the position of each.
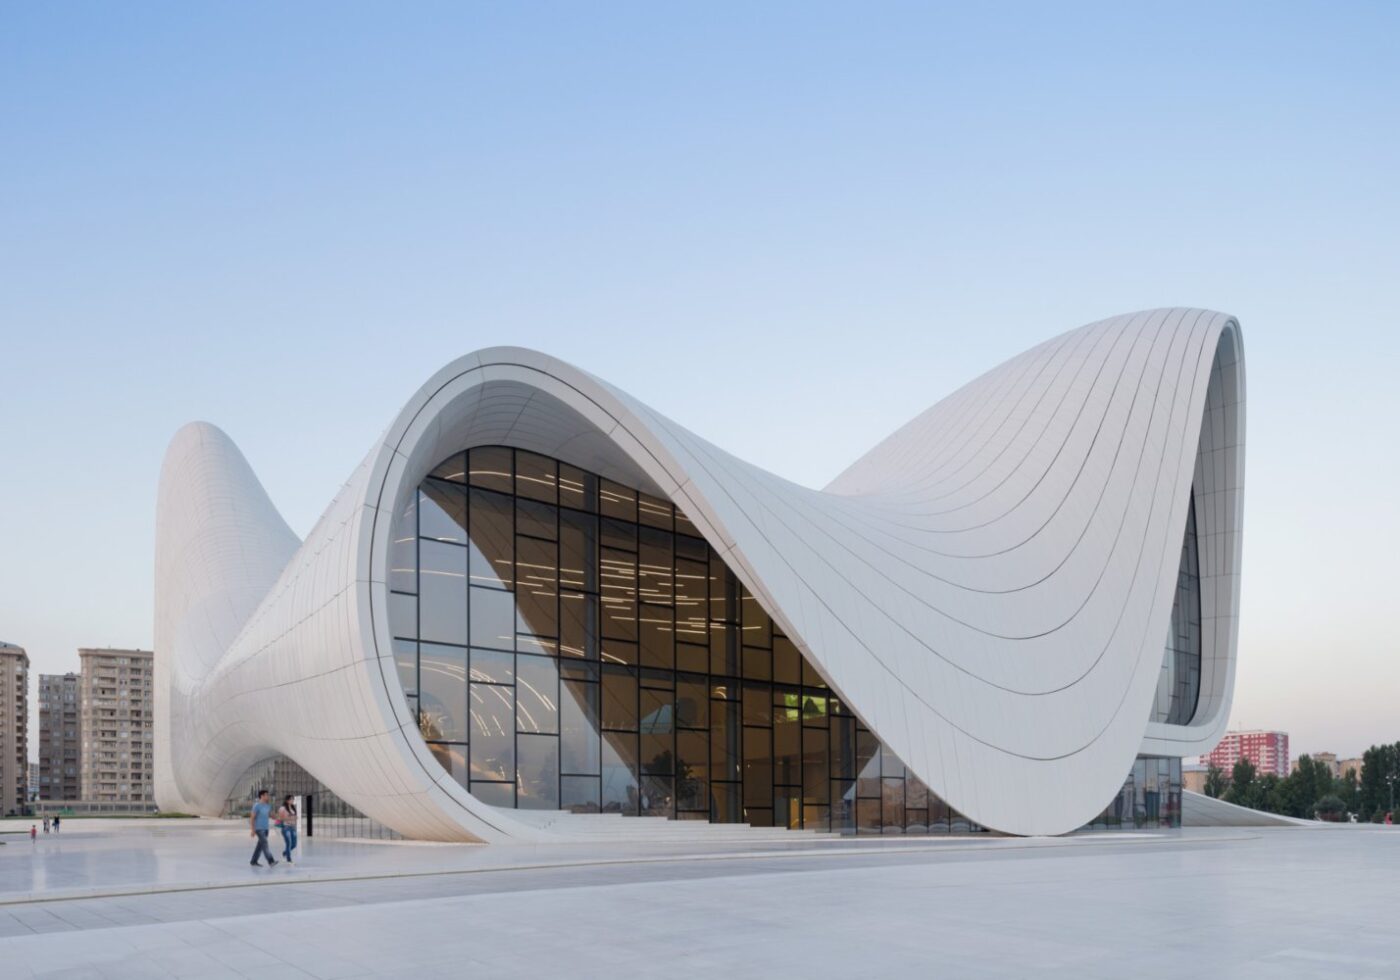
(1151, 797)
(1179, 687)
(568, 642)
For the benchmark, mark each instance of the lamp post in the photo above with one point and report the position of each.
(1390, 780)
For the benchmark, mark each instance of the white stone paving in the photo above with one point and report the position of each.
(1225, 903)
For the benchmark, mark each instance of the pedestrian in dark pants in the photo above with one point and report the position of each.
(258, 825)
(56, 819)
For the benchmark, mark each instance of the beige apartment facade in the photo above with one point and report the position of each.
(60, 739)
(116, 724)
(14, 729)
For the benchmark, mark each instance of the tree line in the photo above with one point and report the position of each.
(1312, 791)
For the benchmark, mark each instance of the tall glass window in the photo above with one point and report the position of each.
(1179, 686)
(569, 642)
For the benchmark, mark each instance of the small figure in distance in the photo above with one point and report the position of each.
(258, 827)
(33, 832)
(287, 823)
(55, 823)
(46, 823)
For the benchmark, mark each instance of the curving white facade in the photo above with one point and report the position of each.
(987, 589)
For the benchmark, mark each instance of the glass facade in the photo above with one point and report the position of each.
(1151, 797)
(1179, 687)
(567, 642)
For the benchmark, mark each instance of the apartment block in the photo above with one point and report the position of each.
(1268, 751)
(60, 740)
(14, 729)
(116, 723)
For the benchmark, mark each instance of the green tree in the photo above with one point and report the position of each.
(1330, 807)
(1216, 782)
(1242, 790)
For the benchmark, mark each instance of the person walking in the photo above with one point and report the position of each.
(287, 823)
(33, 832)
(46, 823)
(55, 823)
(258, 827)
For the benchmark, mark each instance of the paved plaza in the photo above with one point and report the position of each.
(162, 899)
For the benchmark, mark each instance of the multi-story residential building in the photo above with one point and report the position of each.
(14, 729)
(60, 741)
(1344, 764)
(116, 725)
(1268, 751)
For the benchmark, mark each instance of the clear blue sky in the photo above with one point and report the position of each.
(818, 220)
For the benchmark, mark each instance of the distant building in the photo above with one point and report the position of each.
(1193, 777)
(60, 741)
(14, 729)
(1268, 751)
(1344, 764)
(116, 721)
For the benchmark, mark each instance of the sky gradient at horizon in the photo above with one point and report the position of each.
(283, 218)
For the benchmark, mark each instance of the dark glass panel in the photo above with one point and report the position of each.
(692, 658)
(724, 591)
(403, 550)
(658, 796)
(658, 727)
(692, 764)
(725, 803)
(758, 704)
(577, 489)
(692, 702)
(442, 512)
(816, 787)
(442, 580)
(867, 764)
(579, 794)
(694, 549)
(758, 767)
(843, 806)
(537, 694)
(724, 650)
(916, 793)
(406, 660)
(620, 790)
(536, 593)
(578, 636)
(758, 664)
(492, 539)
(726, 752)
(810, 677)
(578, 551)
(619, 652)
(580, 726)
(453, 468)
(536, 520)
(535, 477)
(892, 805)
(493, 667)
(816, 817)
(442, 703)
(916, 821)
(654, 567)
(787, 661)
(538, 779)
(657, 636)
(814, 710)
(787, 746)
(615, 500)
(787, 807)
(489, 467)
(937, 816)
(690, 589)
(493, 618)
(617, 534)
(453, 758)
(758, 628)
(843, 747)
(403, 615)
(619, 700)
(868, 816)
(493, 731)
(654, 512)
(619, 607)
(758, 816)
(495, 794)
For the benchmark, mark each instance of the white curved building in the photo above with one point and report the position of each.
(537, 593)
